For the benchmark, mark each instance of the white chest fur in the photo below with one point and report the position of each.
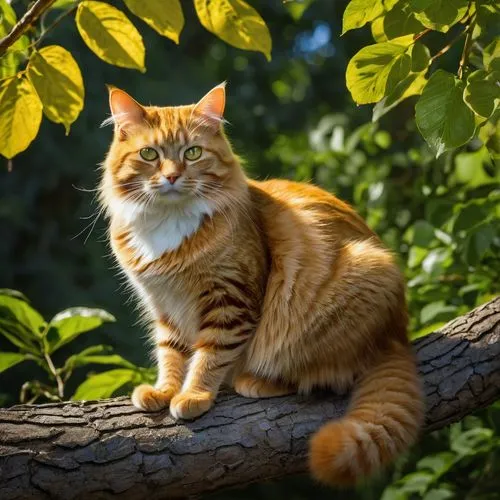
(159, 229)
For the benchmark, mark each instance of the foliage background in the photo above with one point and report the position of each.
(292, 117)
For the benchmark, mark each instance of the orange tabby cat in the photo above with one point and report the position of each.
(277, 286)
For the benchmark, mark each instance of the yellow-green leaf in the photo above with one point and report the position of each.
(439, 15)
(58, 82)
(376, 69)
(21, 112)
(10, 60)
(235, 22)
(360, 12)
(164, 16)
(109, 33)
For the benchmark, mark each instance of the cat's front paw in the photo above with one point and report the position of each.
(147, 398)
(189, 405)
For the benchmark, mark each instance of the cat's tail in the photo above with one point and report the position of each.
(383, 420)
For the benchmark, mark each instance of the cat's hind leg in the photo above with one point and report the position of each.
(251, 386)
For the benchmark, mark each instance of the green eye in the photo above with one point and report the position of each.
(148, 154)
(192, 153)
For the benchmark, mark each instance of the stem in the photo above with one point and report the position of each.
(446, 48)
(60, 383)
(418, 36)
(54, 24)
(25, 23)
(467, 48)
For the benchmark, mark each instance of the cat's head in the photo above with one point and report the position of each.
(165, 158)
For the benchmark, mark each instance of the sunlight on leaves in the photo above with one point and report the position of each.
(57, 79)
(109, 33)
(21, 112)
(164, 16)
(235, 22)
(376, 69)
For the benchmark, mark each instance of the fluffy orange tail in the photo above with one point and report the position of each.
(383, 420)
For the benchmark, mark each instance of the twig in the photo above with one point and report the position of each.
(467, 48)
(54, 24)
(25, 23)
(60, 383)
(447, 47)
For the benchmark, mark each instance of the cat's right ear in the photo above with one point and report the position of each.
(126, 112)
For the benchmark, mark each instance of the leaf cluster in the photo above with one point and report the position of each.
(38, 340)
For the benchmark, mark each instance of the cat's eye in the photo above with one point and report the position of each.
(148, 154)
(192, 153)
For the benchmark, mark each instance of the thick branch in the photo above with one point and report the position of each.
(109, 448)
(24, 24)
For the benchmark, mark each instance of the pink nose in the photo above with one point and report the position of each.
(172, 178)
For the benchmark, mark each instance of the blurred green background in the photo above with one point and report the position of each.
(293, 118)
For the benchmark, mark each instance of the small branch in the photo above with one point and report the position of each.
(25, 23)
(446, 48)
(60, 383)
(467, 48)
(54, 24)
(418, 36)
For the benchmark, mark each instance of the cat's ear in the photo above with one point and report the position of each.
(212, 104)
(125, 110)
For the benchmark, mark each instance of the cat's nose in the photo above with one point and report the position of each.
(172, 178)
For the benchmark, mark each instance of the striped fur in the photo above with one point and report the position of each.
(276, 287)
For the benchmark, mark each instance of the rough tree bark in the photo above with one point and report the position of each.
(108, 448)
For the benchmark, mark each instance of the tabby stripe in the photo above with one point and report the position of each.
(175, 345)
(224, 324)
(222, 302)
(238, 285)
(245, 333)
(222, 347)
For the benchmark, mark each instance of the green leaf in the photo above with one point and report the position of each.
(19, 311)
(70, 323)
(15, 54)
(491, 56)
(478, 243)
(235, 22)
(469, 168)
(14, 293)
(59, 84)
(439, 15)
(472, 441)
(482, 93)
(10, 359)
(21, 112)
(438, 463)
(360, 12)
(420, 234)
(437, 311)
(487, 12)
(413, 84)
(442, 116)
(469, 216)
(439, 494)
(63, 4)
(400, 21)
(375, 70)
(109, 33)
(164, 16)
(95, 355)
(105, 384)
(296, 8)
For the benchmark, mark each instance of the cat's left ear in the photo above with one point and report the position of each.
(212, 104)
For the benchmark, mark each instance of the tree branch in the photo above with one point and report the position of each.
(25, 23)
(109, 448)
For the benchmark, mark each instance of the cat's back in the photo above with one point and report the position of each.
(303, 207)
